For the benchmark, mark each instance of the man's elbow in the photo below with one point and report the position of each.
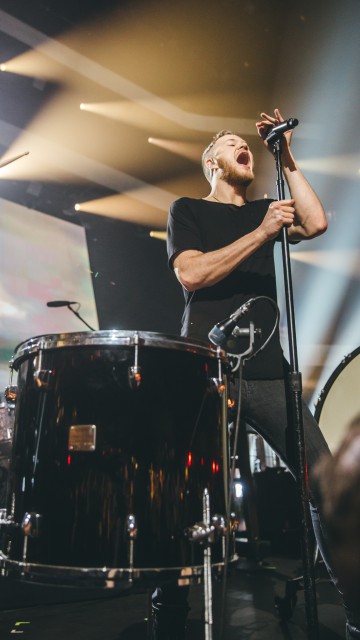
(321, 223)
(315, 226)
(190, 283)
(320, 228)
(187, 279)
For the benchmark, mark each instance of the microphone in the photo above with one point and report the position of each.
(60, 303)
(222, 330)
(277, 132)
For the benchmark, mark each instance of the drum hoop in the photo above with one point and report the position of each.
(102, 572)
(330, 381)
(112, 338)
(118, 575)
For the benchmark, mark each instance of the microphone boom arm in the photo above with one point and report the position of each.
(68, 304)
(77, 314)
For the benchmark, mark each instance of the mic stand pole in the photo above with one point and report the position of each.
(77, 314)
(295, 386)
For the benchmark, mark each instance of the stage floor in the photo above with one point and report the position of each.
(37, 612)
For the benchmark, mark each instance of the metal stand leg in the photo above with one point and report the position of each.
(251, 514)
(207, 572)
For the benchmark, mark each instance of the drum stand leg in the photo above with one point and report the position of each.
(208, 612)
(249, 500)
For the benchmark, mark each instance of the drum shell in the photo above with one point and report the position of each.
(158, 447)
(339, 401)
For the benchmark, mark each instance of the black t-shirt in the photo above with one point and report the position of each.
(206, 226)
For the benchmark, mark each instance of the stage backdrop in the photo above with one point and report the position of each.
(41, 259)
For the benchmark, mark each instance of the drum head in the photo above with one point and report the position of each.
(339, 401)
(112, 338)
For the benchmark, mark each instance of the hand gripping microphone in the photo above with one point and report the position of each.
(277, 132)
(222, 330)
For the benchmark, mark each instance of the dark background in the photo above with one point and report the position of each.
(178, 72)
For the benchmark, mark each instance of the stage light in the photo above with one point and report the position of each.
(340, 261)
(134, 206)
(146, 110)
(159, 235)
(336, 165)
(326, 278)
(190, 150)
(77, 207)
(33, 63)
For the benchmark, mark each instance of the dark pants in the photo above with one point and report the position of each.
(265, 407)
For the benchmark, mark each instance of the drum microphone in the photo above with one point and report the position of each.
(68, 303)
(281, 128)
(60, 303)
(222, 330)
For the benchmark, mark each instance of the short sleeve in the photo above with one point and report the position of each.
(183, 231)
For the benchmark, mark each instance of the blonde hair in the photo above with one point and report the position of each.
(206, 154)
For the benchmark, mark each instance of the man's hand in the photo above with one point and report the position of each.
(280, 214)
(267, 122)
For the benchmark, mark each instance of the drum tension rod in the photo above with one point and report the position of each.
(135, 371)
(217, 384)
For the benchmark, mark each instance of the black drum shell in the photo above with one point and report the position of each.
(159, 445)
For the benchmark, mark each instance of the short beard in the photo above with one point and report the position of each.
(230, 175)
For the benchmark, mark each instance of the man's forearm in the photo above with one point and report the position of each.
(310, 215)
(196, 270)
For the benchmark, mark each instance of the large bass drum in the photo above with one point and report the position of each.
(120, 449)
(339, 401)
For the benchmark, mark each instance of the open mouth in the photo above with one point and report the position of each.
(243, 158)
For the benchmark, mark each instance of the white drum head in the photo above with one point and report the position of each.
(339, 401)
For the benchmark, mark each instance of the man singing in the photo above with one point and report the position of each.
(221, 250)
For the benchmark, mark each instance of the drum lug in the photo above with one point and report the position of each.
(131, 532)
(200, 532)
(134, 372)
(131, 527)
(10, 395)
(5, 520)
(134, 377)
(41, 376)
(219, 523)
(31, 524)
(216, 384)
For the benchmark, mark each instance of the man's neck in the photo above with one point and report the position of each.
(227, 194)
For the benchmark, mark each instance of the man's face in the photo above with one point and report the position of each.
(234, 159)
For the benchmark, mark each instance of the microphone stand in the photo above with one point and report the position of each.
(295, 386)
(77, 314)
